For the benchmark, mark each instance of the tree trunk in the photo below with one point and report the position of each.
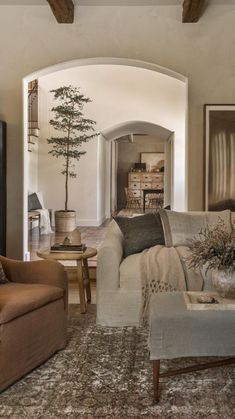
(66, 191)
(67, 170)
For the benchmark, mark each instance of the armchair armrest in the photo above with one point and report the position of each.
(45, 272)
(110, 256)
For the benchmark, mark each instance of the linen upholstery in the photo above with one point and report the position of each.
(119, 286)
(176, 332)
(233, 220)
(130, 272)
(181, 227)
(195, 279)
(33, 312)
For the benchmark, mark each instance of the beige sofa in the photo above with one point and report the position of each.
(33, 316)
(119, 283)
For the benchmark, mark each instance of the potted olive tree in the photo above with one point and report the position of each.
(73, 130)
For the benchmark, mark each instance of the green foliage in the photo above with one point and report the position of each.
(214, 247)
(73, 128)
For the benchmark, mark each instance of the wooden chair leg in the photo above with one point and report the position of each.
(156, 373)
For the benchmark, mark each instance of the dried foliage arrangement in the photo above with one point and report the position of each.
(214, 247)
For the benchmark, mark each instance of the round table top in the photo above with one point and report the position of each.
(47, 254)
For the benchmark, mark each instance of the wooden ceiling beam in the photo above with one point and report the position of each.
(192, 10)
(63, 10)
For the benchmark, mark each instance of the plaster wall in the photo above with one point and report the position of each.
(119, 94)
(31, 39)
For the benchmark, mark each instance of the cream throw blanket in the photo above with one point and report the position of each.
(45, 223)
(164, 269)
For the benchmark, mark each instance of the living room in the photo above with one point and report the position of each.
(151, 40)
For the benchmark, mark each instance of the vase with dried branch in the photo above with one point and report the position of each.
(214, 248)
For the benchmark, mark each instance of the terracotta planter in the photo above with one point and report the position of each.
(65, 221)
(224, 283)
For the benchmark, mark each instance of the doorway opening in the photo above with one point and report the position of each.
(128, 98)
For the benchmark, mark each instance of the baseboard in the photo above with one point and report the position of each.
(91, 222)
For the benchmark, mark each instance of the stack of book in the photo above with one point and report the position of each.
(72, 248)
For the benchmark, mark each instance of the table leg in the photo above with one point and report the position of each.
(81, 287)
(87, 280)
(156, 373)
(144, 201)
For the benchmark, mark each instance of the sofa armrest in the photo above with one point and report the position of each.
(45, 272)
(109, 258)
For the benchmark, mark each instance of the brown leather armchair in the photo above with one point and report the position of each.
(33, 316)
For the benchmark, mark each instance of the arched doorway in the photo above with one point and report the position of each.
(107, 185)
(146, 101)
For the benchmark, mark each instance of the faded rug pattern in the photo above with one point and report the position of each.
(105, 373)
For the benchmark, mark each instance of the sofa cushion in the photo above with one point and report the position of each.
(18, 299)
(140, 232)
(181, 227)
(3, 277)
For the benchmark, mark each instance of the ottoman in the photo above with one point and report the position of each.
(176, 332)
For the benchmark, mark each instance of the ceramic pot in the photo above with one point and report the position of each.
(224, 283)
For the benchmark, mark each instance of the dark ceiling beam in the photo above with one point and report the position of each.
(192, 10)
(63, 10)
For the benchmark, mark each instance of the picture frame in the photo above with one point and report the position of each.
(154, 161)
(219, 135)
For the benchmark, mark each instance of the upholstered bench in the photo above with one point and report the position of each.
(176, 332)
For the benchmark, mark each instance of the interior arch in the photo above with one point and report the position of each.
(107, 184)
(162, 107)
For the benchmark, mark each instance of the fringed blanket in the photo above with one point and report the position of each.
(163, 269)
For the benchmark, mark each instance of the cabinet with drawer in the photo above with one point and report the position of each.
(144, 180)
(157, 177)
(146, 177)
(134, 177)
(156, 185)
(146, 185)
(134, 185)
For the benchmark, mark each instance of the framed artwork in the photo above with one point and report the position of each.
(154, 161)
(219, 122)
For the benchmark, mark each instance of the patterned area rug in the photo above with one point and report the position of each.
(105, 373)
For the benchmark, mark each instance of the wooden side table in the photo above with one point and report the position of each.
(82, 274)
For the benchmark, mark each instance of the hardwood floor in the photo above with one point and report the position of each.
(91, 236)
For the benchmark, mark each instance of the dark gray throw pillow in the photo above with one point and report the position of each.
(33, 202)
(3, 278)
(140, 232)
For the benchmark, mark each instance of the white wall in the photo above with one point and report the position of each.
(31, 39)
(119, 94)
(33, 167)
